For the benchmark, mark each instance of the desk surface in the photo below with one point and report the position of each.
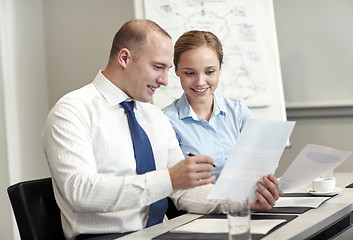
(304, 226)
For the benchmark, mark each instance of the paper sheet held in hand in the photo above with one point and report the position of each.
(256, 154)
(311, 162)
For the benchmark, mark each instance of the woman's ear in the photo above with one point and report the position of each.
(124, 57)
(176, 71)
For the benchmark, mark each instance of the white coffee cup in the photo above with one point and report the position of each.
(324, 184)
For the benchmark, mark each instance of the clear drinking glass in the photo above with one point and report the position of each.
(239, 216)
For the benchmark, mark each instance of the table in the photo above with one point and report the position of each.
(305, 226)
(310, 223)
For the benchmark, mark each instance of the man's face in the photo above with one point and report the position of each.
(150, 70)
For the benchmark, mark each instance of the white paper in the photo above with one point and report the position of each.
(256, 154)
(313, 202)
(312, 162)
(211, 225)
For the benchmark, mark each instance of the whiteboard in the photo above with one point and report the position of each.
(246, 28)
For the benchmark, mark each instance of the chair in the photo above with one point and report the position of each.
(36, 212)
(172, 211)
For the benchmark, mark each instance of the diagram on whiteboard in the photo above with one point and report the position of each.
(238, 24)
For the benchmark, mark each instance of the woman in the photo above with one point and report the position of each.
(205, 123)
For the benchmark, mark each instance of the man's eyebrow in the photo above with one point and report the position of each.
(159, 63)
(163, 64)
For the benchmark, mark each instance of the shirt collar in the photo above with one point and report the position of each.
(219, 106)
(185, 109)
(113, 94)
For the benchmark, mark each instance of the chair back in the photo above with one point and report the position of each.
(36, 212)
(172, 211)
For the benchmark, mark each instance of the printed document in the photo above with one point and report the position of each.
(256, 154)
(312, 162)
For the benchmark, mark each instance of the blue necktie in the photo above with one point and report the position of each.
(144, 161)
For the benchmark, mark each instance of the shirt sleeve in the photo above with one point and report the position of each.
(195, 201)
(245, 114)
(67, 140)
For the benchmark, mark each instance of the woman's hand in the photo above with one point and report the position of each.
(266, 194)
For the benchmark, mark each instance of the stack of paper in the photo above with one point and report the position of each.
(312, 202)
(221, 226)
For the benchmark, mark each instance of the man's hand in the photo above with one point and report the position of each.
(192, 172)
(266, 195)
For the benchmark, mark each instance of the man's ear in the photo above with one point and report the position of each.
(124, 57)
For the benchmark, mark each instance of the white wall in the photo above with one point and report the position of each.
(315, 49)
(5, 219)
(336, 132)
(78, 36)
(24, 99)
(315, 41)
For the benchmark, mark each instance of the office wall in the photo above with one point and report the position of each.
(336, 132)
(315, 40)
(316, 49)
(23, 100)
(78, 36)
(5, 221)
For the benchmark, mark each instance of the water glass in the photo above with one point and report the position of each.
(238, 214)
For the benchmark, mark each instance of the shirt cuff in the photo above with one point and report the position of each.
(160, 184)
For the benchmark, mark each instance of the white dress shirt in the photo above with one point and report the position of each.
(90, 154)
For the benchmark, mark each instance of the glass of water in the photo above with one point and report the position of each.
(238, 214)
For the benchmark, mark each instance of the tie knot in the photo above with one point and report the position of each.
(128, 105)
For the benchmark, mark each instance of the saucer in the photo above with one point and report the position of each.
(334, 192)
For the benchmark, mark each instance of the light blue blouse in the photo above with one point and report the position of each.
(215, 137)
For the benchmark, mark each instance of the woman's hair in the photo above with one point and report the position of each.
(132, 35)
(194, 39)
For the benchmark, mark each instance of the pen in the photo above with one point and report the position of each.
(190, 155)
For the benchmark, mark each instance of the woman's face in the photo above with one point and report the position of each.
(199, 70)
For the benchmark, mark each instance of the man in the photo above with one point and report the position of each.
(90, 150)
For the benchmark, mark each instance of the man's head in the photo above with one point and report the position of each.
(141, 54)
(133, 36)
